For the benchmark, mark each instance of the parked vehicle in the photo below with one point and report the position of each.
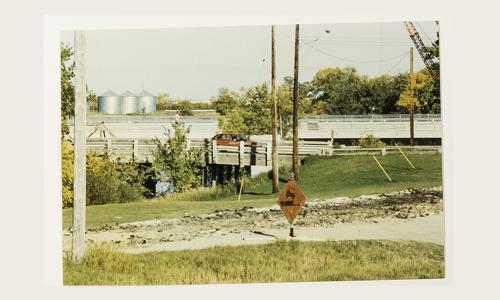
(232, 139)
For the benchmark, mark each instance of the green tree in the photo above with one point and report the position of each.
(340, 88)
(67, 87)
(432, 103)
(92, 100)
(428, 93)
(185, 107)
(284, 96)
(234, 121)
(252, 113)
(174, 163)
(226, 101)
(256, 101)
(379, 95)
(163, 101)
(320, 107)
(433, 51)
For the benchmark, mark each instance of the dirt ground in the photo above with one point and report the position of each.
(414, 214)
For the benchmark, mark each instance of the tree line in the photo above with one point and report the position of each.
(332, 91)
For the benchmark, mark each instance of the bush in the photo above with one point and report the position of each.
(112, 181)
(67, 173)
(107, 188)
(107, 181)
(175, 163)
(370, 141)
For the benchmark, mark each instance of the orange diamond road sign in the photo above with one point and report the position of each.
(291, 200)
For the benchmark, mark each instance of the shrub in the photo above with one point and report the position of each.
(67, 173)
(101, 188)
(107, 181)
(112, 181)
(370, 141)
(175, 163)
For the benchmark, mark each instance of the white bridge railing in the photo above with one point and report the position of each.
(96, 119)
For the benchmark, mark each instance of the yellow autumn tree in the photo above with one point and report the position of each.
(415, 87)
(67, 173)
(407, 99)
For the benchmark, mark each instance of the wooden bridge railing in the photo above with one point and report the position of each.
(242, 154)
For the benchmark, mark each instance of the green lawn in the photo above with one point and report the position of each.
(324, 177)
(282, 261)
(320, 178)
(153, 209)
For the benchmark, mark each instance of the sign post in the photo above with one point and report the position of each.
(290, 201)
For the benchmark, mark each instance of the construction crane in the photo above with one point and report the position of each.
(427, 57)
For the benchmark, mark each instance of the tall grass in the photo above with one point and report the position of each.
(200, 194)
(282, 261)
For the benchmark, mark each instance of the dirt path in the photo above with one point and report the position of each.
(410, 214)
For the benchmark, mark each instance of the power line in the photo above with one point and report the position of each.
(354, 42)
(379, 40)
(311, 45)
(355, 38)
(398, 63)
(425, 33)
(364, 45)
(357, 61)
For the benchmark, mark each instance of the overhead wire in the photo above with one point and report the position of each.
(398, 63)
(358, 61)
(425, 33)
(341, 41)
(310, 43)
(355, 38)
(354, 41)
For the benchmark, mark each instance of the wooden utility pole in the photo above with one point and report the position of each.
(79, 183)
(274, 112)
(412, 95)
(295, 159)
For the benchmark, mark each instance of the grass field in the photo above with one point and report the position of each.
(320, 178)
(323, 177)
(282, 261)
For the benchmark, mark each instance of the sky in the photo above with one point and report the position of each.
(194, 63)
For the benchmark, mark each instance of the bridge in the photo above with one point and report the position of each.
(344, 127)
(242, 154)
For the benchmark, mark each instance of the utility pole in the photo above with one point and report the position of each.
(79, 183)
(412, 95)
(295, 159)
(274, 111)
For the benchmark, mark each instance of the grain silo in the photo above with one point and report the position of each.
(109, 103)
(129, 103)
(147, 102)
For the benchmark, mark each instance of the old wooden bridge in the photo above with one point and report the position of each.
(242, 154)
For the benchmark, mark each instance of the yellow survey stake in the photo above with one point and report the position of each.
(400, 150)
(382, 168)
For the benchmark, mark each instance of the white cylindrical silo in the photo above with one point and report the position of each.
(147, 102)
(109, 103)
(129, 103)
